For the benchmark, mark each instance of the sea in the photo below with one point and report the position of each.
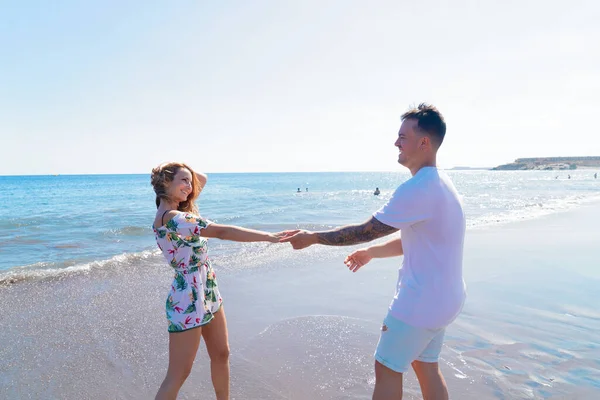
(53, 222)
(83, 285)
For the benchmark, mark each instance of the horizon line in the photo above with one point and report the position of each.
(234, 172)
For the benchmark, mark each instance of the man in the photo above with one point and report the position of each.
(430, 290)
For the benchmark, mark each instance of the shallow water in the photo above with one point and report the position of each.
(60, 221)
(303, 327)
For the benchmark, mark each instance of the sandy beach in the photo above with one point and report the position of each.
(303, 327)
(297, 115)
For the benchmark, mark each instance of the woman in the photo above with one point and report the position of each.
(194, 305)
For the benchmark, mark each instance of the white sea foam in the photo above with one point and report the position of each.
(43, 270)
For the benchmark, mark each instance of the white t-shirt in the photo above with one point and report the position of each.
(428, 211)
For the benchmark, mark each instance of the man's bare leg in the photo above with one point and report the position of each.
(388, 383)
(431, 380)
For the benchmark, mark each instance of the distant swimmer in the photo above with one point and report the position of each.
(569, 176)
(377, 192)
(298, 190)
(307, 189)
(596, 175)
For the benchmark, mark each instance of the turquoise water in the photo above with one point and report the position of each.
(63, 221)
(83, 288)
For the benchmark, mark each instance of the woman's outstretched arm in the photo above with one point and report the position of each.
(239, 234)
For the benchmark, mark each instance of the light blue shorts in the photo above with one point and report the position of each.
(400, 344)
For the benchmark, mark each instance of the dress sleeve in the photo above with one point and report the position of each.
(189, 227)
(192, 221)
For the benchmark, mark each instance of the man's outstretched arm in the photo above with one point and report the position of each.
(354, 234)
(342, 236)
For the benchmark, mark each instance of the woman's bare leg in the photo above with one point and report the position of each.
(182, 352)
(217, 345)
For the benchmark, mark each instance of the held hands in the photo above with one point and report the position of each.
(357, 259)
(278, 236)
(299, 238)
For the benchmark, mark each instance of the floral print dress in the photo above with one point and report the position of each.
(194, 297)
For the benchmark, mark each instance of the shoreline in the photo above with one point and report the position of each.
(527, 329)
(41, 271)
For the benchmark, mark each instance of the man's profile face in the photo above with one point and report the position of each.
(408, 143)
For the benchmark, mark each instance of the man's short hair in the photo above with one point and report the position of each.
(429, 121)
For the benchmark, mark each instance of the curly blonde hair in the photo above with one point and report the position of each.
(164, 174)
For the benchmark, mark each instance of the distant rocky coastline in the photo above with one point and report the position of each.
(550, 163)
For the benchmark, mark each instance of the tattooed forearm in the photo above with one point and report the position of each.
(354, 234)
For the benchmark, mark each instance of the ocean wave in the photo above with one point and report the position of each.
(129, 231)
(14, 223)
(238, 256)
(250, 215)
(532, 210)
(31, 239)
(45, 270)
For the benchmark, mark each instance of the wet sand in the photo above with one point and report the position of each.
(303, 327)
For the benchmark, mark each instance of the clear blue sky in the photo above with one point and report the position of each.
(241, 86)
